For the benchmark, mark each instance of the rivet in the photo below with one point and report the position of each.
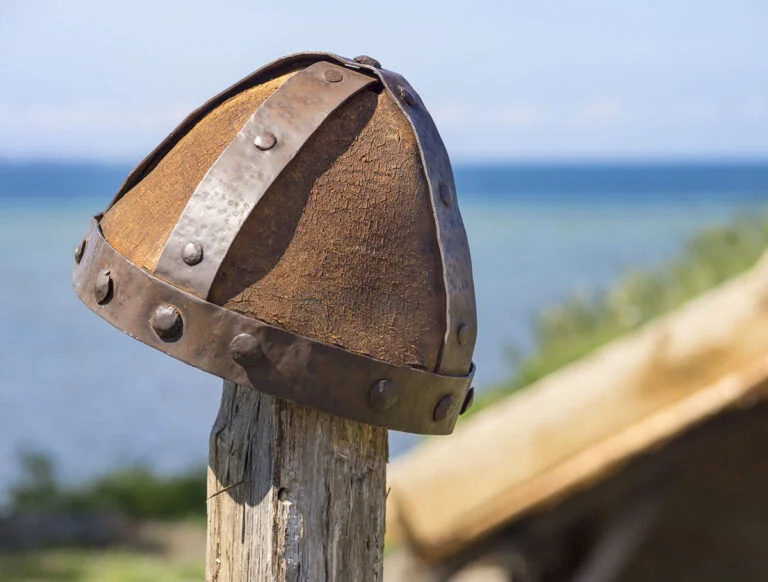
(265, 141)
(366, 60)
(462, 334)
(468, 400)
(245, 350)
(79, 252)
(333, 76)
(103, 287)
(167, 323)
(446, 195)
(444, 408)
(192, 253)
(383, 395)
(405, 95)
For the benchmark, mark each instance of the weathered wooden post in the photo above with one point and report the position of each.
(298, 234)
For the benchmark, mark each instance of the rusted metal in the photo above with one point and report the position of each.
(457, 271)
(445, 407)
(267, 357)
(241, 176)
(366, 60)
(462, 334)
(384, 394)
(79, 251)
(289, 366)
(452, 239)
(333, 76)
(451, 236)
(246, 350)
(167, 323)
(405, 95)
(102, 287)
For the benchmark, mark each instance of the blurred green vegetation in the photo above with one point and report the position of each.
(135, 492)
(584, 322)
(76, 565)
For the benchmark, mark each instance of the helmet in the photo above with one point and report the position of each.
(299, 233)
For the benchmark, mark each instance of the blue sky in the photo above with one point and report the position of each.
(504, 79)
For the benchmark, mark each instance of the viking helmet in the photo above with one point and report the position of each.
(299, 233)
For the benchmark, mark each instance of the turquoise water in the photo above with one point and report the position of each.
(73, 386)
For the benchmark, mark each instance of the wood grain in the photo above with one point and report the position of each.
(294, 494)
(691, 510)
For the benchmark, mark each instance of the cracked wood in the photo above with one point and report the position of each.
(293, 494)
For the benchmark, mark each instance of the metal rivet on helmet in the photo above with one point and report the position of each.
(383, 395)
(103, 288)
(265, 141)
(167, 323)
(405, 95)
(79, 251)
(333, 76)
(446, 195)
(444, 408)
(366, 60)
(462, 335)
(192, 253)
(245, 350)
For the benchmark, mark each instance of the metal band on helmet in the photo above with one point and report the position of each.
(236, 182)
(250, 352)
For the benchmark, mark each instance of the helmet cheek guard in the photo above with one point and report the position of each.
(300, 233)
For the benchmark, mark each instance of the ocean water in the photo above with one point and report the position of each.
(74, 387)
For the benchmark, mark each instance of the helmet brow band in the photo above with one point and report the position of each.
(250, 352)
(240, 177)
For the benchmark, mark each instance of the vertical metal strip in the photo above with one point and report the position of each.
(461, 318)
(240, 177)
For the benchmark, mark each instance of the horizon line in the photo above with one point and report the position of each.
(461, 161)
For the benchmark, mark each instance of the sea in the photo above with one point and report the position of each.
(73, 387)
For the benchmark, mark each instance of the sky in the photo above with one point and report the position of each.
(504, 80)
